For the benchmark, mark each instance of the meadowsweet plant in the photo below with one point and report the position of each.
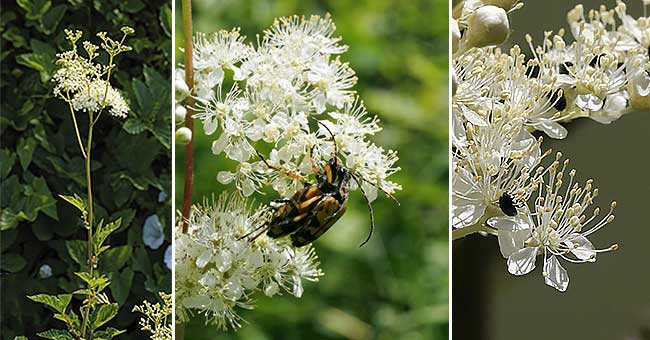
(277, 108)
(84, 83)
(157, 317)
(502, 182)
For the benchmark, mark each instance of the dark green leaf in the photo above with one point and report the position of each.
(121, 285)
(12, 263)
(102, 314)
(107, 334)
(26, 147)
(34, 8)
(51, 19)
(114, 259)
(165, 18)
(78, 251)
(7, 161)
(133, 126)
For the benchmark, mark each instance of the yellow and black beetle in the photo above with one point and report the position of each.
(312, 210)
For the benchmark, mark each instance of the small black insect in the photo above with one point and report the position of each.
(507, 204)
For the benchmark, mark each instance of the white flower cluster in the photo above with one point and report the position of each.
(83, 82)
(218, 271)
(157, 317)
(499, 186)
(284, 92)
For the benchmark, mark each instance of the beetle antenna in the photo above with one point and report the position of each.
(336, 147)
(372, 213)
(380, 189)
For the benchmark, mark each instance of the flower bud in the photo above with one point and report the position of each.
(182, 90)
(183, 136)
(179, 114)
(488, 26)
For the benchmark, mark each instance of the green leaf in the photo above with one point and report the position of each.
(165, 18)
(51, 19)
(12, 263)
(143, 96)
(56, 334)
(26, 147)
(7, 161)
(78, 251)
(132, 6)
(34, 8)
(102, 314)
(57, 302)
(21, 338)
(107, 334)
(115, 258)
(133, 126)
(102, 232)
(76, 202)
(121, 285)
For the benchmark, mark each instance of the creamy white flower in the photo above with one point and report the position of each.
(218, 272)
(282, 86)
(556, 227)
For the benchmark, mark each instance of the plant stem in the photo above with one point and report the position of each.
(189, 120)
(76, 127)
(479, 226)
(90, 224)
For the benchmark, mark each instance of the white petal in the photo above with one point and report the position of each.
(581, 247)
(220, 144)
(204, 259)
(552, 129)
(555, 275)
(523, 261)
(510, 223)
(466, 213)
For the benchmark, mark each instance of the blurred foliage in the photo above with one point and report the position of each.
(396, 286)
(40, 159)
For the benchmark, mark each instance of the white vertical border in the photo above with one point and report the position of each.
(173, 160)
(450, 167)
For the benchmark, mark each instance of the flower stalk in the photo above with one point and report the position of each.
(189, 120)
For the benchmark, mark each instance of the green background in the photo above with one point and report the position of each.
(395, 287)
(40, 159)
(605, 300)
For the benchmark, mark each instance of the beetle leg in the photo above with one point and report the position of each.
(376, 186)
(253, 231)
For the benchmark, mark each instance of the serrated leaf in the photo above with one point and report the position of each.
(76, 202)
(12, 263)
(143, 97)
(133, 126)
(57, 302)
(56, 334)
(102, 314)
(102, 232)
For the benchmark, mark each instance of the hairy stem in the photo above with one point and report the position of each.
(189, 120)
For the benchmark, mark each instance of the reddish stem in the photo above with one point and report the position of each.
(189, 120)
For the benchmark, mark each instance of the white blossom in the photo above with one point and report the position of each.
(218, 271)
(557, 227)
